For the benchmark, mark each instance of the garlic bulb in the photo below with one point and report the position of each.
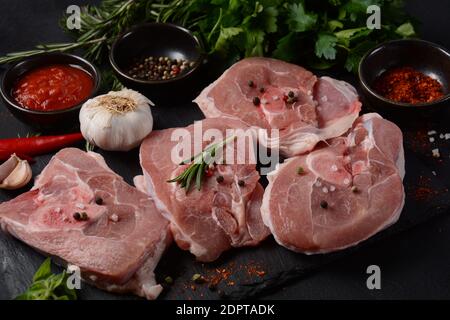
(117, 121)
(15, 173)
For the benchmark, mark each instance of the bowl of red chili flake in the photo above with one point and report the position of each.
(406, 74)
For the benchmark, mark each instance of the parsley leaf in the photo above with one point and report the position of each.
(345, 37)
(225, 35)
(254, 43)
(286, 48)
(298, 20)
(406, 30)
(355, 55)
(269, 19)
(325, 46)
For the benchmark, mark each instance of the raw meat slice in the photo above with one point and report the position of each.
(116, 248)
(343, 194)
(319, 109)
(221, 214)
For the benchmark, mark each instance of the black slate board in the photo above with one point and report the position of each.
(18, 262)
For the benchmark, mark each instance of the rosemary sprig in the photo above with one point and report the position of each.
(198, 165)
(99, 27)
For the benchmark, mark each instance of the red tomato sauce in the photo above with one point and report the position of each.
(54, 87)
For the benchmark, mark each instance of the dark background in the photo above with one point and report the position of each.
(414, 264)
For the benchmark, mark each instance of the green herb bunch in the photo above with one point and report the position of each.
(315, 33)
(48, 286)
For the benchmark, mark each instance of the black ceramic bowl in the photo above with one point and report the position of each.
(426, 57)
(46, 120)
(158, 39)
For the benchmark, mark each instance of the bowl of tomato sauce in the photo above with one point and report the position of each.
(47, 91)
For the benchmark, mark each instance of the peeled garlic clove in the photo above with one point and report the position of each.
(8, 166)
(19, 176)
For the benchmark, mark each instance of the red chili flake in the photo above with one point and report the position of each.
(209, 172)
(423, 193)
(408, 86)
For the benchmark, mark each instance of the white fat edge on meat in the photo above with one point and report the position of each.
(145, 275)
(239, 210)
(400, 164)
(207, 103)
(368, 125)
(347, 90)
(100, 160)
(338, 127)
(296, 141)
(265, 204)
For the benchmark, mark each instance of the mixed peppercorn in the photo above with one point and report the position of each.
(290, 98)
(158, 68)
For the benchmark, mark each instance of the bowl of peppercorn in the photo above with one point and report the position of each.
(160, 60)
(408, 74)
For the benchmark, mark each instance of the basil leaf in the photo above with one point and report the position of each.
(48, 286)
(44, 270)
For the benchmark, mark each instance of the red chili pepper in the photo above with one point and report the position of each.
(32, 146)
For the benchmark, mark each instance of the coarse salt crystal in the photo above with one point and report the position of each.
(442, 136)
(324, 98)
(447, 136)
(275, 98)
(318, 184)
(334, 168)
(114, 217)
(431, 139)
(434, 173)
(263, 101)
(332, 188)
(79, 206)
(432, 132)
(57, 210)
(325, 190)
(93, 278)
(346, 181)
(436, 153)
